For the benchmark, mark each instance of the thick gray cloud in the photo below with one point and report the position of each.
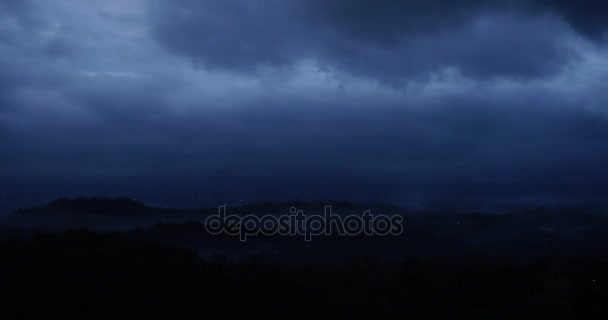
(389, 19)
(203, 101)
(587, 16)
(388, 40)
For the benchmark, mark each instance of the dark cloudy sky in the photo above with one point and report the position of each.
(191, 101)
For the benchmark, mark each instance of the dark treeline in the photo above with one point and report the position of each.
(81, 274)
(537, 262)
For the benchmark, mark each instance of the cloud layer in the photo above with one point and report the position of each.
(399, 101)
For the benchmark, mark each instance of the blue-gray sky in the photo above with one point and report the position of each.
(190, 101)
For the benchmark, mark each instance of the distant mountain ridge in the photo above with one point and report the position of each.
(124, 212)
(106, 205)
(98, 213)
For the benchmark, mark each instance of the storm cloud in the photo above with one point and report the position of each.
(199, 102)
(388, 40)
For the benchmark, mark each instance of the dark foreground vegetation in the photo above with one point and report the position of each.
(81, 275)
(148, 263)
